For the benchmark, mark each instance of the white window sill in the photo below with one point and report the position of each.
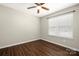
(62, 34)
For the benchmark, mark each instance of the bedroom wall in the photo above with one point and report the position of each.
(70, 43)
(17, 27)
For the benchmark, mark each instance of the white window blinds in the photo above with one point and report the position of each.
(61, 25)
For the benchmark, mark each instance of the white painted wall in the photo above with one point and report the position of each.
(17, 27)
(70, 43)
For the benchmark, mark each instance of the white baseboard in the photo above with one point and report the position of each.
(38, 39)
(75, 49)
(17, 43)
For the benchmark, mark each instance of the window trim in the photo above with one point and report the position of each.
(59, 35)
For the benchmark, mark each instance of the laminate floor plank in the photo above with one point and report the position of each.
(35, 48)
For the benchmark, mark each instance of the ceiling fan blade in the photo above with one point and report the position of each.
(31, 7)
(38, 11)
(45, 8)
(42, 3)
(37, 4)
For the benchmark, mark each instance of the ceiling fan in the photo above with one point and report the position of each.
(40, 5)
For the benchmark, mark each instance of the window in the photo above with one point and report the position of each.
(61, 25)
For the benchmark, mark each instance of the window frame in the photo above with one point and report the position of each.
(60, 35)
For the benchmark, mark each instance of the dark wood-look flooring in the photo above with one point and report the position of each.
(35, 48)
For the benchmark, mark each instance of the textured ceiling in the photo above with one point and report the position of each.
(52, 6)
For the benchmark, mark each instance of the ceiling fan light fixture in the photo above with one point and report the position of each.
(38, 7)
